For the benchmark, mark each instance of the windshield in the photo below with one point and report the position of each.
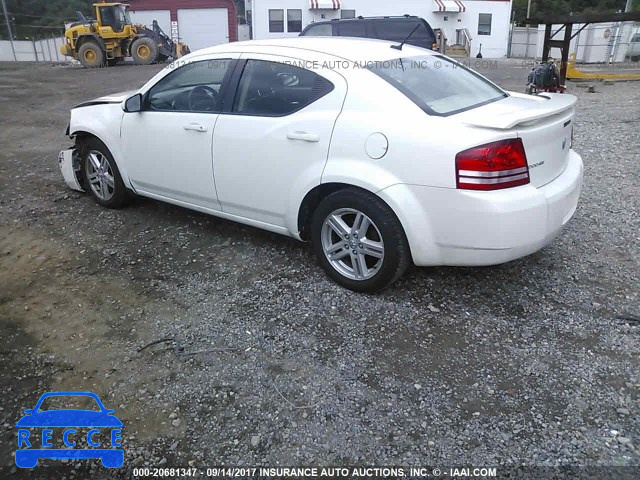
(438, 85)
(65, 402)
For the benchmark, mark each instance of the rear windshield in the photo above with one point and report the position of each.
(437, 85)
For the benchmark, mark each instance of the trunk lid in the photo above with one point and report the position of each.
(543, 122)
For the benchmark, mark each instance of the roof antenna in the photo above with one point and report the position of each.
(399, 47)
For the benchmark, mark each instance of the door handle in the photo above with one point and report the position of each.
(196, 127)
(304, 136)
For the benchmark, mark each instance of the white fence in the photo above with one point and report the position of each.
(44, 50)
(596, 43)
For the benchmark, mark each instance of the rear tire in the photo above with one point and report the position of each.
(364, 239)
(144, 51)
(101, 175)
(91, 55)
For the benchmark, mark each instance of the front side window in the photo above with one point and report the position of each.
(276, 21)
(437, 85)
(294, 21)
(320, 30)
(107, 17)
(484, 24)
(194, 87)
(277, 89)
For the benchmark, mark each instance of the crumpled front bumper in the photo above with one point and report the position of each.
(69, 163)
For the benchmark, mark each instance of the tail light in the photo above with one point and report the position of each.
(492, 166)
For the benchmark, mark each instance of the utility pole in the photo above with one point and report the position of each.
(6, 19)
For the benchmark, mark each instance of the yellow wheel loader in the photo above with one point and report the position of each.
(110, 37)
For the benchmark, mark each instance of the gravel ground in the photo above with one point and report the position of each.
(266, 362)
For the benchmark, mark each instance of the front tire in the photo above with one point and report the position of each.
(91, 55)
(144, 51)
(359, 241)
(101, 175)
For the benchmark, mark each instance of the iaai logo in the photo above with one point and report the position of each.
(85, 433)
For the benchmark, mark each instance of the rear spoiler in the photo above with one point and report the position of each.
(542, 106)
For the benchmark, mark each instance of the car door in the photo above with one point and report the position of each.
(271, 147)
(168, 145)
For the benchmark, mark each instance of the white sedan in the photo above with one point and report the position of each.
(378, 156)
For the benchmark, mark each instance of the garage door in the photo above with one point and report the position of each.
(146, 17)
(203, 27)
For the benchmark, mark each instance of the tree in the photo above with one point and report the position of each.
(31, 18)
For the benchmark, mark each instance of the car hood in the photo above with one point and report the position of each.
(69, 418)
(113, 98)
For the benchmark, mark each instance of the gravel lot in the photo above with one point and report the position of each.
(266, 362)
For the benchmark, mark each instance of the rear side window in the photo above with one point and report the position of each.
(352, 29)
(320, 30)
(277, 89)
(398, 30)
(438, 85)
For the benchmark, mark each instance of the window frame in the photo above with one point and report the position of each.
(289, 30)
(234, 88)
(222, 94)
(281, 10)
(490, 24)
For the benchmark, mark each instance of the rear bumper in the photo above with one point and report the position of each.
(464, 228)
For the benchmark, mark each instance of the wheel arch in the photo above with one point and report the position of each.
(401, 200)
(313, 198)
(90, 37)
(81, 136)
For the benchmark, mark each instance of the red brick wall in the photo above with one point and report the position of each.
(174, 5)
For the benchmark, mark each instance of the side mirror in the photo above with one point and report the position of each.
(133, 104)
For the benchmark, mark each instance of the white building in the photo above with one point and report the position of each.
(484, 22)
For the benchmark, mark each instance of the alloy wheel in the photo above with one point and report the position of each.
(100, 175)
(352, 243)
